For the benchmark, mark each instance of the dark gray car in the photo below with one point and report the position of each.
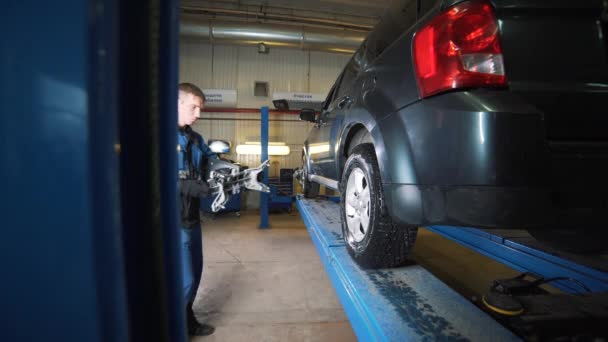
(469, 113)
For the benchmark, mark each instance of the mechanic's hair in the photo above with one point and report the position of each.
(190, 88)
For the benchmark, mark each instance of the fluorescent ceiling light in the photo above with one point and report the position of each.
(271, 143)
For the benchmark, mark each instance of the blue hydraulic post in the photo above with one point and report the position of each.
(264, 143)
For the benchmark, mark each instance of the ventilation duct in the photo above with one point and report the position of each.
(305, 38)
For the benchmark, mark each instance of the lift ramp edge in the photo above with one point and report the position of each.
(526, 259)
(406, 303)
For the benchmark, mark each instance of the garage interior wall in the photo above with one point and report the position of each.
(238, 67)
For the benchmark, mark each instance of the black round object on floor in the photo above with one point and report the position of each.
(502, 304)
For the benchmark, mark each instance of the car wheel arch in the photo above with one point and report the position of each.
(355, 134)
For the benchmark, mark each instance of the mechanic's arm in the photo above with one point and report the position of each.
(193, 188)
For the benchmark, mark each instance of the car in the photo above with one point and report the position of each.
(487, 114)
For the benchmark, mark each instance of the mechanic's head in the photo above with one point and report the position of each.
(190, 102)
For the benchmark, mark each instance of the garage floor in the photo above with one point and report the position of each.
(266, 285)
(270, 285)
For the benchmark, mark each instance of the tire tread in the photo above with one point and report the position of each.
(390, 242)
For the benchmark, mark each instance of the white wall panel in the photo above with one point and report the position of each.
(325, 68)
(237, 67)
(195, 63)
(283, 69)
(225, 66)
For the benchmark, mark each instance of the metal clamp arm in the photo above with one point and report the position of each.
(225, 184)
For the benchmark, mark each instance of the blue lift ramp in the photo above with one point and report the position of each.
(517, 249)
(401, 304)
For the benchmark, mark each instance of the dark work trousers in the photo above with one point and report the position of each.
(192, 262)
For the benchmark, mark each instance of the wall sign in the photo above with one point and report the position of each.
(220, 98)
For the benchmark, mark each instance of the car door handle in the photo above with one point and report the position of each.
(346, 100)
(321, 122)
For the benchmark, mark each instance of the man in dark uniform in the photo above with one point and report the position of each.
(192, 155)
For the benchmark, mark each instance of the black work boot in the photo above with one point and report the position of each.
(200, 329)
(194, 327)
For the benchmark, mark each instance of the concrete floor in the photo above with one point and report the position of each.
(266, 285)
(270, 285)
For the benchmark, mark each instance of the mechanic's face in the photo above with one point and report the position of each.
(188, 109)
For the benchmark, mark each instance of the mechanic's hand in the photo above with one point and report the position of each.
(193, 187)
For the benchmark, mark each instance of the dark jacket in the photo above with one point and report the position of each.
(192, 155)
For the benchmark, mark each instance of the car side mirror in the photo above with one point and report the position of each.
(308, 115)
(219, 146)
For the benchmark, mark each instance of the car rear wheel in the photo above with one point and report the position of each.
(372, 238)
(309, 189)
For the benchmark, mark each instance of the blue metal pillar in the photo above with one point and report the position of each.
(51, 252)
(66, 88)
(264, 143)
(148, 169)
(168, 74)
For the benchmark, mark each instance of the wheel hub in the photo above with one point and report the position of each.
(357, 202)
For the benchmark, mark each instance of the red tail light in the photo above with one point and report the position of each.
(459, 49)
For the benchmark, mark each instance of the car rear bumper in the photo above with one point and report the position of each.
(472, 206)
(478, 138)
(483, 159)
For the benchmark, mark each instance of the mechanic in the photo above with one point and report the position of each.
(192, 155)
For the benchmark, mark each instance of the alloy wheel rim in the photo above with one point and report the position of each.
(357, 205)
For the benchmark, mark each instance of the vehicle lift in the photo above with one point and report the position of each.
(410, 303)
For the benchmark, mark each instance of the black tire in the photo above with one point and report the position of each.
(309, 189)
(385, 243)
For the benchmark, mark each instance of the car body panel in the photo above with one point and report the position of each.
(496, 157)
